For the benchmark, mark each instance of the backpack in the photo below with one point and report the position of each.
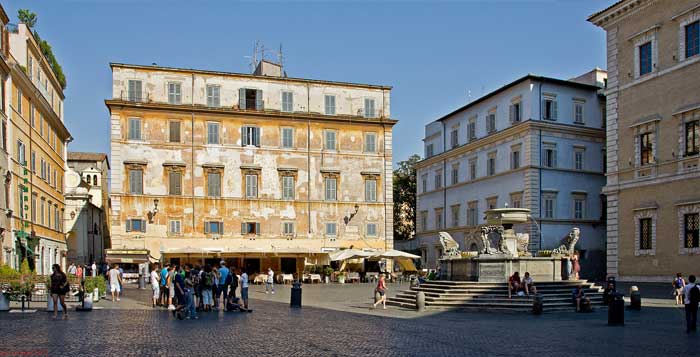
(679, 283)
(206, 279)
(694, 294)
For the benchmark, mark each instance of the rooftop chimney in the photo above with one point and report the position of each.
(267, 68)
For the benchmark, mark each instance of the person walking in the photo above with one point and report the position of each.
(691, 294)
(575, 261)
(189, 290)
(215, 288)
(79, 272)
(115, 282)
(224, 282)
(155, 284)
(270, 282)
(206, 281)
(170, 283)
(59, 289)
(164, 285)
(244, 288)
(381, 290)
(72, 269)
(678, 285)
(93, 269)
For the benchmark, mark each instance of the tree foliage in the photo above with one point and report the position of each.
(29, 18)
(405, 198)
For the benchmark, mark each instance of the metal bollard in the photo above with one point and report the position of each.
(295, 298)
(616, 311)
(420, 301)
(635, 298)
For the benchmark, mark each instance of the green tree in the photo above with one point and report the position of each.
(27, 17)
(405, 198)
(24, 267)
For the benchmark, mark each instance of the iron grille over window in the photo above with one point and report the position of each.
(645, 233)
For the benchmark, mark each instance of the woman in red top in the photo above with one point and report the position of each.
(513, 284)
(381, 289)
(577, 265)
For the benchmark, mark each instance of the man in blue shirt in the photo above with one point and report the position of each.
(223, 286)
(163, 285)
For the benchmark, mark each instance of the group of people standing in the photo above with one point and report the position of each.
(204, 288)
(687, 293)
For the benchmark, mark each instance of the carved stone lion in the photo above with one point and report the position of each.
(449, 245)
(568, 243)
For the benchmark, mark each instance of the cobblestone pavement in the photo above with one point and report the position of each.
(275, 329)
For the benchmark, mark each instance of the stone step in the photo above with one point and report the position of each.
(471, 283)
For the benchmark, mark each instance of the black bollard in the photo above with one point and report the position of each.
(295, 298)
(616, 311)
(635, 299)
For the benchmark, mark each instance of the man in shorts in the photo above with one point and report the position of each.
(164, 285)
(155, 284)
(170, 282)
(244, 288)
(115, 281)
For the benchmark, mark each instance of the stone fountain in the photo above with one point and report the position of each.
(503, 251)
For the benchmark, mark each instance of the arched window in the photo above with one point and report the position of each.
(94, 180)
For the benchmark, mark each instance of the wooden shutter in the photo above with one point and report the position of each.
(128, 222)
(143, 225)
(511, 113)
(256, 136)
(554, 109)
(221, 228)
(206, 227)
(244, 135)
(244, 228)
(241, 98)
(258, 99)
(257, 228)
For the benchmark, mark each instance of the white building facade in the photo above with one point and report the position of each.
(536, 143)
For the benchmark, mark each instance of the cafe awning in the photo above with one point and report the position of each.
(127, 256)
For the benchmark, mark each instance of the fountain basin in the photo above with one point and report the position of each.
(498, 268)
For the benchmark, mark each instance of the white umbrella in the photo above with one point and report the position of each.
(349, 254)
(392, 253)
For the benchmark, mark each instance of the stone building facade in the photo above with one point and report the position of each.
(535, 143)
(36, 139)
(5, 207)
(87, 207)
(258, 169)
(653, 137)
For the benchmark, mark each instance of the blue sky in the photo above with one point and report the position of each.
(432, 52)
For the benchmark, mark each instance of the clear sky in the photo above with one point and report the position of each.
(432, 52)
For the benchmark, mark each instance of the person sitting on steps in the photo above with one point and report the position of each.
(529, 285)
(514, 284)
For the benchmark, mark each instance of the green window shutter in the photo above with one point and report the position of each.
(257, 228)
(221, 228)
(258, 99)
(241, 98)
(206, 227)
(554, 109)
(128, 225)
(143, 225)
(243, 228)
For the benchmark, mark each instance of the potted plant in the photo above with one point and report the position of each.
(341, 277)
(328, 272)
(95, 286)
(7, 275)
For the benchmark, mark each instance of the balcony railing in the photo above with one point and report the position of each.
(139, 97)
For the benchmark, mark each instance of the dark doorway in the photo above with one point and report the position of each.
(288, 265)
(371, 265)
(251, 265)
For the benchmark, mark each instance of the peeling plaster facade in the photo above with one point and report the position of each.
(195, 155)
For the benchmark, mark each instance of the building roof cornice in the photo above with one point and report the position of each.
(246, 76)
(617, 11)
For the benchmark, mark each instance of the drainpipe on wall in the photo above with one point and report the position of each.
(539, 172)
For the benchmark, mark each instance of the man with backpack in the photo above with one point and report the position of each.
(691, 293)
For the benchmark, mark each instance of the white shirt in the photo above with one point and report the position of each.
(270, 276)
(244, 280)
(155, 279)
(72, 269)
(94, 270)
(686, 292)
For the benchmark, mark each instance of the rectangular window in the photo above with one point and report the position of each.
(492, 202)
(34, 208)
(330, 104)
(331, 193)
(472, 169)
(516, 200)
(691, 229)
(288, 228)
(43, 211)
(549, 206)
(214, 227)
(549, 108)
(30, 68)
(287, 102)
(515, 158)
(370, 142)
(174, 131)
(473, 214)
(135, 225)
(21, 153)
(135, 92)
(251, 186)
(212, 133)
(645, 230)
(578, 112)
(423, 221)
(646, 148)
(371, 229)
(250, 228)
(579, 154)
(424, 183)
(331, 229)
(213, 96)
(287, 138)
(579, 207)
(455, 216)
(515, 112)
(692, 138)
(175, 226)
(214, 184)
(491, 164)
(136, 181)
(438, 179)
(287, 187)
(31, 114)
(174, 93)
(692, 39)
(19, 101)
(175, 183)
(429, 152)
(369, 108)
(645, 58)
(455, 174)
(471, 129)
(371, 190)
(134, 129)
(491, 122)
(438, 218)
(550, 156)
(329, 142)
(250, 136)
(454, 138)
